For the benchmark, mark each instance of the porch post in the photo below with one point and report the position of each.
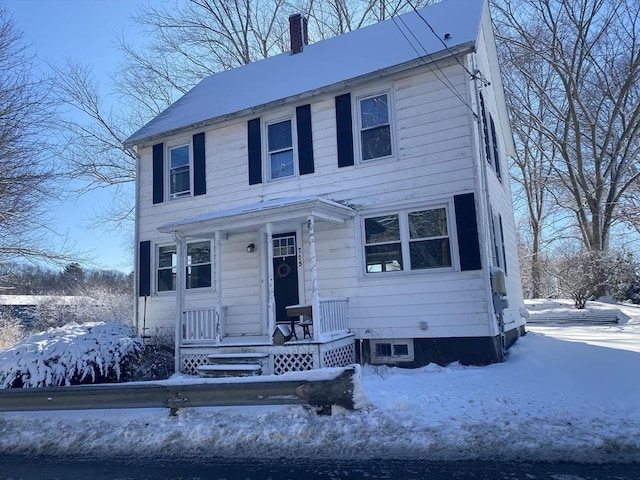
(180, 286)
(315, 295)
(219, 314)
(271, 324)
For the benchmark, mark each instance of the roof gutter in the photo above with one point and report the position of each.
(426, 60)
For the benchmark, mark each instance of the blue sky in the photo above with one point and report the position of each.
(83, 30)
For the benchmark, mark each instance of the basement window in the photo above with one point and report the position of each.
(392, 351)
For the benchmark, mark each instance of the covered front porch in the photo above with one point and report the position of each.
(279, 270)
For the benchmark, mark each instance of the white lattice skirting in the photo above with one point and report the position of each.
(189, 363)
(286, 361)
(292, 362)
(339, 357)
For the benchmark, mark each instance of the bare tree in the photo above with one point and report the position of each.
(335, 17)
(91, 139)
(532, 163)
(591, 116)
(27, 171)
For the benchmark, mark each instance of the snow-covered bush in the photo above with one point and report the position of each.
(71, 355)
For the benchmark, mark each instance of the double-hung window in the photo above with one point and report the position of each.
(429, 239)
(280, 149)
(179, 171)
(383, 248)
(375, 126)
(408, 240)
(198, 266)
(167, 268)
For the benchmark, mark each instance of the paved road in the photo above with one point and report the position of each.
(15, 468)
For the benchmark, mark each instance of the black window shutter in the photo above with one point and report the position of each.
(344, 132)
(305, 139)
(158, 173)
(494, 145)
(504, 250)
(144, 269)
(254, 143)
(199, 168)
(467, 226)
(485, 130)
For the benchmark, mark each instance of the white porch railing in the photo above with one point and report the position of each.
(333, 315)
(202, 325)
(207, 325)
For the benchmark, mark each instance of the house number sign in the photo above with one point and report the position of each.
(299, 256)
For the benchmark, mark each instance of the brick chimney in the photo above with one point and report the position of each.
(298, 33)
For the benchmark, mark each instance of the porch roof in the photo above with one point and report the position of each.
(250, 216)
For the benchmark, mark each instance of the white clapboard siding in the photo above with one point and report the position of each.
(433, 161)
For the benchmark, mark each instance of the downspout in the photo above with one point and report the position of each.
(497, 326)
(180, 284)
(136, 247)
(315, 295)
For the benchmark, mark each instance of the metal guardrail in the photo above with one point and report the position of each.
(319, 393)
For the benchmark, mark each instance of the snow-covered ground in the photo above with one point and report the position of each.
(565, 393)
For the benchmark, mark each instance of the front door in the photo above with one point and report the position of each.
(285, 272)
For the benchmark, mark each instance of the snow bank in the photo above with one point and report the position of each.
(552, 400)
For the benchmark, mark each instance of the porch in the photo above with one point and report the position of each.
(329, 344)
(274, 265)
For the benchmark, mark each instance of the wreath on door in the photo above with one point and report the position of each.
(283, 270)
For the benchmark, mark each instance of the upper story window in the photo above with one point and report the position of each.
(421, 236)
(490, 139)
(179, 171)
(375, 126)
(280, 149)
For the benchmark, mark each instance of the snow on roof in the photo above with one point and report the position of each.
(329, 63)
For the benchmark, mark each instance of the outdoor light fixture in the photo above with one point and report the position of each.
(251, 248)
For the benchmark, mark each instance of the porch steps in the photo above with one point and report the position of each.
(233, 365)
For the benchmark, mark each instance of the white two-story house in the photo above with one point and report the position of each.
(345, 201)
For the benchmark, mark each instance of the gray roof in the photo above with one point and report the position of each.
(328, 64)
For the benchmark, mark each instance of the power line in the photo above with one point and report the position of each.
(444, 44)
(442, 77)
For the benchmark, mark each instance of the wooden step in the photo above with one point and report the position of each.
(236, 358)
(230, 370)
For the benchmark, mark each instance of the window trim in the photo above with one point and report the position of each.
(357, 123)
(403, 219)
(167, 167)
(294, 146)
